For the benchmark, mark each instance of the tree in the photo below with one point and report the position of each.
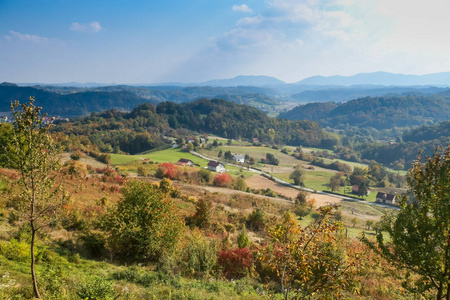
(220, 153)
(420, 233)
(35, 155)
(297, 175)
(227, 155)
(307, 260)
(335, 182)
(145, 224)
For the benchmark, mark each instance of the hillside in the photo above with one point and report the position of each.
(70, 104)
(377, 112)
(140, 129)
(250, 95)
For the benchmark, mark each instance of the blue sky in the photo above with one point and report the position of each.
(151, 41)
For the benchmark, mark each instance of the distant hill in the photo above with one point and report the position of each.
(380, 78)
(73, 101)
(377, 112)
(339, 94)
(244, 81)
(69, 105)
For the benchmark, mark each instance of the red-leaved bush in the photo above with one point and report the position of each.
(235, 263)
(222, 180)
(167, 170)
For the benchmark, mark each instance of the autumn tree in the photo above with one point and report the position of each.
(307, 260)
(419, 235)
(33, 152)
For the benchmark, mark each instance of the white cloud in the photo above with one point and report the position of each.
(25, 37)
(86, 27)
(242, 8)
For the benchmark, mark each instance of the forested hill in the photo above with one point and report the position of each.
(69, 105)
(240, 94)
(377, 112)
(144, 124)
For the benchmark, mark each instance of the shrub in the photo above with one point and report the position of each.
(76, 155)
(167, 170)
(223, 180)
(199, 254)
(145, 223)
(204, 175)
(255, 220)
(96, 288)
(235, 263)
(203, 213)
(243, 240)
(239, 184)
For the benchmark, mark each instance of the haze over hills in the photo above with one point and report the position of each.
(380, 78)
(373, 79)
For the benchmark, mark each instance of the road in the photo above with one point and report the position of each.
(298, 187)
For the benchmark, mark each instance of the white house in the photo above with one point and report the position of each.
(216, 166)
(239, 158)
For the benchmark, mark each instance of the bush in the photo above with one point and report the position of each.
(96, 288)
(167, 170)
(223, 180)
(199, 255)
(235, 263)
(145, 224)
(204, 175)
(76, 155)
(243, 240)
(239, 184)
(255, 220)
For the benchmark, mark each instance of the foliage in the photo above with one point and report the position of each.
(271, 159)
(223, 180)
(204, 175)
(203, 213)
(235, 263)
(242, 239)
(239, 184)
(419, 233)
(167, 170)
(308, 260)
(199, 255)
(256, 220)
(336, 181)
(97, 288)
(297, 175)
(145, 223)
(34, 153)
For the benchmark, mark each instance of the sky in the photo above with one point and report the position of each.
(155, 41)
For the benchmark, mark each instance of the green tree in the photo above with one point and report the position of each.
(335, 182)
(419, 235)
(242, 239)
(34, 153)
(297, 175)
(145, 223)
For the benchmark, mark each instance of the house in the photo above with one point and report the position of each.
(355, 190)
(239, 158)
(216, 166)
(385, 198)
(190, 139)
(185, 162)
(6, 116)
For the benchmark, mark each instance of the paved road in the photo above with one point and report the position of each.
(299, 187)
